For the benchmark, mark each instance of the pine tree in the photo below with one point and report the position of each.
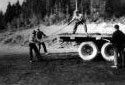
(2, 23)
(8, 14)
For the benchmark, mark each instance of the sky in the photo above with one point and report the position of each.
(4, 3)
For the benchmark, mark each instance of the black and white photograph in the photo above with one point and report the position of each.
(62, 42)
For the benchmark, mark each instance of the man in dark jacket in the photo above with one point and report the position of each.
(40, 35)
(118, 40)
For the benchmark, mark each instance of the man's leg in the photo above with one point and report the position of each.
(122, 57)
(36, 51)
(44, 47)
(85, 28)
(116, 57)
(31, 51)
(75, 28)
(39, 45)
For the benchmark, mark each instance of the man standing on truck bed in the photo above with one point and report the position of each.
(79, 20)
(118, 40)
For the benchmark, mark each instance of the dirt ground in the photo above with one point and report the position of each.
(68, 69)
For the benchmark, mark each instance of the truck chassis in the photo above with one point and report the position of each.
(90, 45)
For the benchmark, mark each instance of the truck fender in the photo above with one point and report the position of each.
(107, 51)
(87, 50)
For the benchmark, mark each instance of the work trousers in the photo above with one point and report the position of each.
(33, 47)
(77, 24)
(119, 56)
(44, 47)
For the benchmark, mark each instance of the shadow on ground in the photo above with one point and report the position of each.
(15, 69)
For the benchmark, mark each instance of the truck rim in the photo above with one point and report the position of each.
(107, 52)
(88, 51)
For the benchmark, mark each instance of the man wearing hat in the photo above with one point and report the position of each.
(118, 40)
(33, 47)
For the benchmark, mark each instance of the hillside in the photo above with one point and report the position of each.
(18, 41)
(21, 37)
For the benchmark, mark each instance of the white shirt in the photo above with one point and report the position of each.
(32, 38)
(77, 17)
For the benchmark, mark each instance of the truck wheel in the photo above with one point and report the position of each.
(88, 51)
(107, 52)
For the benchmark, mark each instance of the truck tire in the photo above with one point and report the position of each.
(88, 51)
(107, 51)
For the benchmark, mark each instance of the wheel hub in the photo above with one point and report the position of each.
(87, 50)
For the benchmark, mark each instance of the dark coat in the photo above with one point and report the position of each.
(118, 38)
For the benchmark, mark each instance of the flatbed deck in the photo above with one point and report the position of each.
(83, 35)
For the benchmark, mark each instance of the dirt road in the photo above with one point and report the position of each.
(68, 69)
